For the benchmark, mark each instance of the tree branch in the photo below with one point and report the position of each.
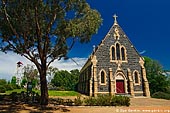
(73, 42)
(38, 33)
(7, 18)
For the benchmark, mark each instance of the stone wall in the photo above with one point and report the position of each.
(103, 57)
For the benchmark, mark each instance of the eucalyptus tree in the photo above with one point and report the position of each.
(45, 30)
(158, 82)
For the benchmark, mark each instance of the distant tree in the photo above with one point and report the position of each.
(167, 74)
(6, 85)
(30, 75)
(23, 82)
(3, 82)
(157, 80)
(62, 79)
(14, 80)
(45, 30)
(66, 80)
(51, 72)
(75, 78)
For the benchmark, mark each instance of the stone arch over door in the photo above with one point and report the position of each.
(121, 83)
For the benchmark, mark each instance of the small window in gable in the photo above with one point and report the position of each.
(102, 77)
(118, 51)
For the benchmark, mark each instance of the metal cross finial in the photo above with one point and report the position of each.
(115, 18)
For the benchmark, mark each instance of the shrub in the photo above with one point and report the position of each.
(161, 95)
(126, 101)
(106, 100)
(1, 97)
(120, 101)
(68, 102)
(103, 100)
(8, 87)
(2, 89)
(59, 101)
(14, 96)
(90, 101)
(14, 86)
(78, 101)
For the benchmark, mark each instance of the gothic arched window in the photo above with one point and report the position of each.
(118, 51)
(136, 77)
(103, 77)
(113, 53)
(123, 53)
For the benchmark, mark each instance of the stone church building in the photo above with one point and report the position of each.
(115, 67)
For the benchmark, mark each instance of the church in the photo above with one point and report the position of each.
(115, 67)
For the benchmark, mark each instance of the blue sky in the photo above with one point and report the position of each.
(145, 22)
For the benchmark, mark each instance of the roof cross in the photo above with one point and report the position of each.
(115, 18)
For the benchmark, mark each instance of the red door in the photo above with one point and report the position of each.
(120, 86)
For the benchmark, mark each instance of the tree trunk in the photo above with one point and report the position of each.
(44, 89)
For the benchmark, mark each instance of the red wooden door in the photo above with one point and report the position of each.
(120, 86)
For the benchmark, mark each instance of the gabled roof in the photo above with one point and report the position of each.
(111, 31)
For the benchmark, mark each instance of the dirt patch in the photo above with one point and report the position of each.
(149, 102)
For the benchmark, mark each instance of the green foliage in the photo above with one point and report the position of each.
(120, 101)
(90, 101)
(23, 82)
(15, 90)
(3, 82)
(4, 86)
(68, 102)
(2, 89)
(22, 97)
(157, 80)
(30, 75)
(66, 80)
(106, 100)
(103, 100)
(34, 83)
(13, 80)
(161, 95)
(57, 101)
(62, 93)
(9, 87)
(51, 72)
(50, 92)
(14, 96)
(78, 101)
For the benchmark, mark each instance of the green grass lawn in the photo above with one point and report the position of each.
(50, 92)
(62, 93)
(15, 90)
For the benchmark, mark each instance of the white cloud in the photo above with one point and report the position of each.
(8, 64)
(74, 63)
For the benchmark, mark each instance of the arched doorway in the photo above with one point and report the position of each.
(120, 83)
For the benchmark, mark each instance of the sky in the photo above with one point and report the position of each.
(145, 22)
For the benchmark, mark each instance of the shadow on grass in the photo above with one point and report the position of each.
(20, 102)
(15, 107)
